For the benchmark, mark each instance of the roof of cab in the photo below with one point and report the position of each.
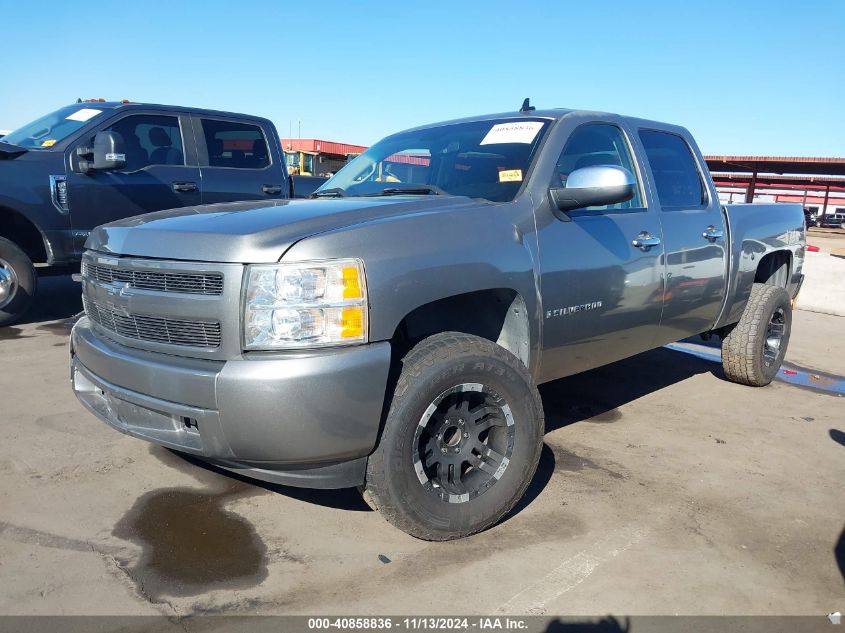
(553, 114)
(130, 105)
(531, 114)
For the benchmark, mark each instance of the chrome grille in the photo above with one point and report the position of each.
(192, 283)
(157, 329)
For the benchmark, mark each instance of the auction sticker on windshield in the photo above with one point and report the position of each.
(514, 132)
(83, 114)
(510, 175)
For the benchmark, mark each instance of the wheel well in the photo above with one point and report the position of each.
(498, 314)
(774, 268)
(16, 228)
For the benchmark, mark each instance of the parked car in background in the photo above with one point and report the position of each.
(92, 163)
(833, 218)
(390, 334)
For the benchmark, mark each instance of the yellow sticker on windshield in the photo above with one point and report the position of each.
(48, 143)
(510, 175)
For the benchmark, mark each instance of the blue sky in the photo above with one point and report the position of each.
(744, 76)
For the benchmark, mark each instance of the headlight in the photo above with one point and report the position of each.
(305, 304)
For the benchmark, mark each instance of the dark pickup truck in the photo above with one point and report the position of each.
(391, 333)
(92, 163)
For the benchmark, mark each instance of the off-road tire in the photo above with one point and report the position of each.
(436, 364)
(743, 348)
(25, 282)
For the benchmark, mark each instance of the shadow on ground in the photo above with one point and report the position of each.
(581, 398)
(57, 297)
(343, 499)
(596, 396)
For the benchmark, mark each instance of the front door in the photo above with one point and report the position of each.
(158, 174)
(694, 237)
(602, 296)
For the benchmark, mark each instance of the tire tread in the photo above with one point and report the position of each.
(440, 348)
(742, 346)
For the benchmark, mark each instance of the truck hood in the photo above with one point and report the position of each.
(252, 232)
(9, 151)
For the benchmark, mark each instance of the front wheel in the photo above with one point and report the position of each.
(753, 350)
(461, 441)
(17, 282)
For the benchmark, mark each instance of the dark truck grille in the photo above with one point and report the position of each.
(193, 283)
(145, 327)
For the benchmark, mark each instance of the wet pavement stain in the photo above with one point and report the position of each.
(567, 460)
(8, 333)
(191, 543)
(595, 413)
(614, 415)
(791, 374)
(60, 328)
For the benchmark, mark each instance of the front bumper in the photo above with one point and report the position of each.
(303, 419)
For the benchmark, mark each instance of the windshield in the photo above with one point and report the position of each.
(479, 159)
(52, 128)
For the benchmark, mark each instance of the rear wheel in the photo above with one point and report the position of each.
(17, 282)
(752, 352)
(461, 441)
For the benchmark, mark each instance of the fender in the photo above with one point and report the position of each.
(413, 260)
(756, 231)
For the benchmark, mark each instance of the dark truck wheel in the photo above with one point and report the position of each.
(461, 441)
(17, 282)
(753, 350)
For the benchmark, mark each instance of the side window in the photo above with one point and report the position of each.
(237, 145)
(597, 144)
(150, 140)
(676, 175)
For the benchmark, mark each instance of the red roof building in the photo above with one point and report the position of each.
(316, 157)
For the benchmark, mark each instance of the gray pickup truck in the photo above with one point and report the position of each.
(390, 333)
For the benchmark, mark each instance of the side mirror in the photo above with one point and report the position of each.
(109, 151)
(593, 186)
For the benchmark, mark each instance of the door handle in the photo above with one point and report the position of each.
(645, 241)
(272, 189)
(712, 234)
(184, 187)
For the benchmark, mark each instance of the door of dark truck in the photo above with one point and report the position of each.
(694, 235)
(161, 171)
(239, 160)
(602, 295)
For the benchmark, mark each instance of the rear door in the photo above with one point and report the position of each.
(694, 235)
(236, 160)
(161, 171)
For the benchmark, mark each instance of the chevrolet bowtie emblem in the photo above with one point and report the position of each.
(121, 290)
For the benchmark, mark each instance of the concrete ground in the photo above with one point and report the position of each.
(829, 240)
(662, 489)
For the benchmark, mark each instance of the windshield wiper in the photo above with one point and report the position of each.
(412, 190)
(334, 192)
